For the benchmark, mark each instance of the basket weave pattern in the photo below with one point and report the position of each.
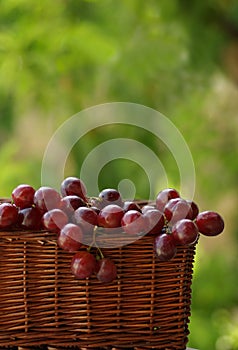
(42, 305)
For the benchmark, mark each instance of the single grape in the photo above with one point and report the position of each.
(130, 205)
(185, 232)
(210, 223)
(177, 209)
(47, 198)
(70, 237)
(164, 196)
(8, 215)
(70, 203)
(155, 221)
(195, 209)
(165, 247)
(110, 216)
(86, 218)
(83, 264)
(169, 207)
(73, 186)
(23, 196)
(97, 210)
(106, 270)
(30, 218)
(147, 207)
(133, 222)
(110, 196)
(54, 220)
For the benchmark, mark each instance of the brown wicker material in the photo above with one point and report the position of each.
(42, 306)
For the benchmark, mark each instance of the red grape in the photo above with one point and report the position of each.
(130, 205)
(110, 196)
(30, 218)
(185, 232)
(210, 223)
(97, 210)
(195, 209)
(23, 196)
(165, 247)
(86, 218)
(155, 221)
(147, 207)
(73, 186)
(110, 216)
(8, 215)
(54, 220)
(133, 222)
(70, 238)
(47, 198)
(70, 203)
(106, 270)
(177, 209)
(164, 196)
(83, 264)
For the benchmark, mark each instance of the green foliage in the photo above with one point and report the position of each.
(15, 169)
(215, 298)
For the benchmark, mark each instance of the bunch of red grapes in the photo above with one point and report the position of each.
(72, 215)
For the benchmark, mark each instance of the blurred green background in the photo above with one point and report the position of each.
(178, 57)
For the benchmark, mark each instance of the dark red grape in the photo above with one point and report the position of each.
(130, 205)
(70, 238)
(30, 218)
(164, 196)
(47, 198)
(97, 210)
(73, 186)
(169, 207)
(133, 222)
(70, 203)
(54, 220)
(165, 247)
(23, 196)
(195, 209)
(147, 207)
(185, 232)
(8, 215)
(83, 264)
(110, 196)
(177, 209)
(106, 270)
(110, 216)
(155, 221)
(210, 223)
(86, 218)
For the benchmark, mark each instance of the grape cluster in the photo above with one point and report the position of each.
(72, 216)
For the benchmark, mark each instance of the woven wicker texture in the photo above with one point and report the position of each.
(42, 306)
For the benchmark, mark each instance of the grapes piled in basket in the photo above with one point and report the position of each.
(76, 218)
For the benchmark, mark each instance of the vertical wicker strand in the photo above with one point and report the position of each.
(25, 285)
(56, 286)
(152, 295)
(119, 270)
(189, 275)
(182, 289)
(87, 294)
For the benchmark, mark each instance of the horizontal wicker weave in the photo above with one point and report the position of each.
(42, 306)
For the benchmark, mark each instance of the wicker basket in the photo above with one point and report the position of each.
(42, 306)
